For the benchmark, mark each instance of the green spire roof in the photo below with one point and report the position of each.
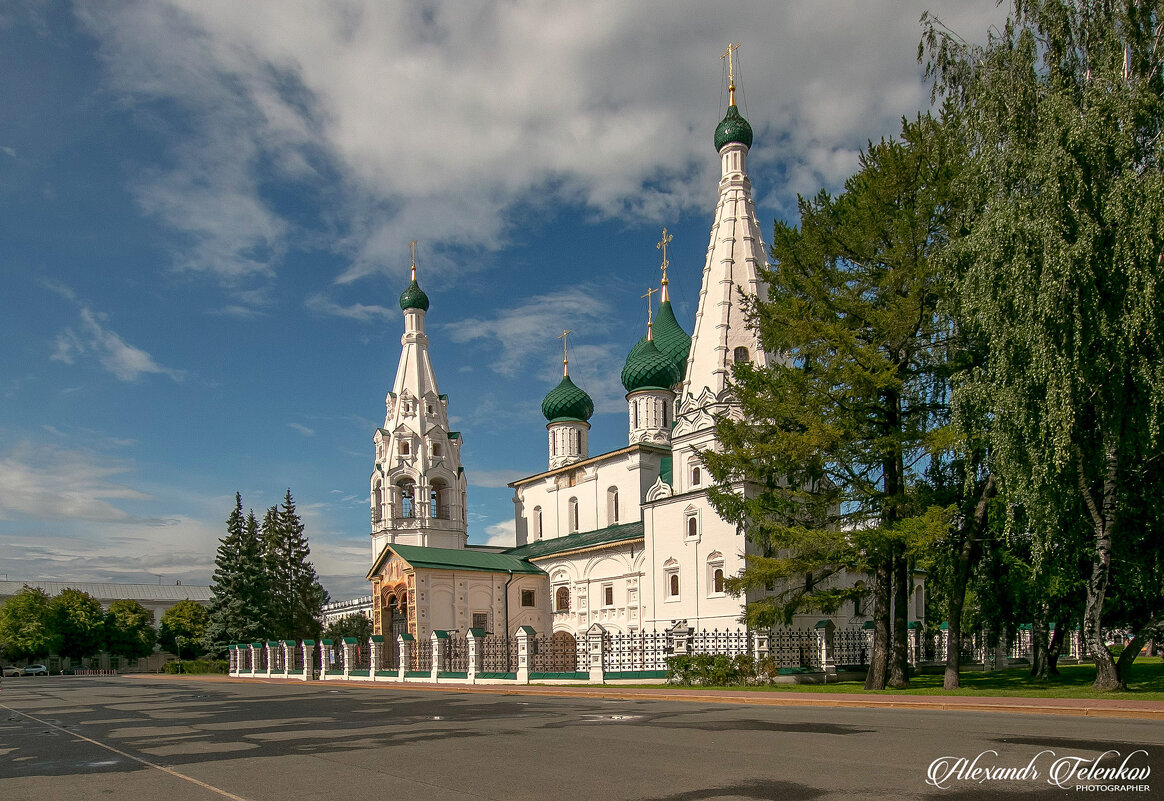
(413, 298)
(733, 128)
(567, 402)
(670, 340)
(648, 368)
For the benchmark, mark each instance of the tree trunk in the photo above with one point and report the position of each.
(1128, 657)
(899, 663)
(1107, 677)
(1055, 648)
(879, 659)
(967, 555)
(1039, 663)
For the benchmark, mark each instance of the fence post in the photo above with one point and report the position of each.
(912, 631)
(825, 630)
(596, 642)
(325, 657)
(230, 656)
(402, 641)
(476, 639)
(679, 638)
(288, 657)
(349, 655)
(375, 655)
(438, 640)
(256, 648)
(308, 648)
(525, 635)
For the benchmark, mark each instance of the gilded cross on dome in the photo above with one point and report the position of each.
(565, 357)
(412, 250)
(662, 245)
(731, 48)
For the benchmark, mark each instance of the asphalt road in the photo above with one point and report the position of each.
(81, 738)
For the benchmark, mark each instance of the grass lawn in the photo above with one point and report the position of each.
(1073, 681)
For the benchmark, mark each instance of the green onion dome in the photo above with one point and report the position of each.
(648, 368)
(413, 298)
(671, 339)
(733, 128)
(567, 402)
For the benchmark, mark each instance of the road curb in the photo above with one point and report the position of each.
(923, 703)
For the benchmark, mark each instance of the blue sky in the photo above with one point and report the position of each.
(205, 210)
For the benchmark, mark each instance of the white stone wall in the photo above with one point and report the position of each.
(587, 576)
(448, 599)
(589, 485)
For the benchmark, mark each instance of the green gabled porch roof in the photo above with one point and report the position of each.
(580, 540)
(422, 557)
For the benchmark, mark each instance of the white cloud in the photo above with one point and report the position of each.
(127, 362)
(320, 304)
(503, 534)
(50, 483)
(302, 429)
(457, 122)
(529, 329)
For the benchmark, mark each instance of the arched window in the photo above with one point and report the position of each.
(377, 502)
(562, 599)
(740, 354)
(436, 449)
(919, 605)
(574, 521)
(696, 477)
(404, 448)
(438, 501)
(537, 521)
(407, 498)
(673, 585)
(717, 580)
(693, 526)
(553, 443)
(612, 505)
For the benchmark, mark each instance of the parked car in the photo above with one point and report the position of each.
(10, 670)
(35, 670)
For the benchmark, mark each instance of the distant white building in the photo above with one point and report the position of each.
(627, 539)
(334, 610)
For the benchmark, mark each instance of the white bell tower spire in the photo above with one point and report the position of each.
(417, 484)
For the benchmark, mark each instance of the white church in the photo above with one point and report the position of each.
(627, 539)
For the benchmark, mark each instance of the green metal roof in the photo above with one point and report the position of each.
(667, 470)
(567, 402)
(647, 368)
(452, 559)
(413, 297)
(581, 539)
(733, 128)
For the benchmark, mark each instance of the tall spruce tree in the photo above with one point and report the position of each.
(238, 601)
(296, 597)
(1062, 271)
(837, 436)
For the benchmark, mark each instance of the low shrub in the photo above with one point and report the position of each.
(196, 666)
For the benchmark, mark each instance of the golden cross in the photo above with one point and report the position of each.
(731, 48)
(565, 359)
(648, 297)
(412, 250)
(662, 245)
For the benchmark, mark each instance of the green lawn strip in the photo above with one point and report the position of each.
(1074, 681)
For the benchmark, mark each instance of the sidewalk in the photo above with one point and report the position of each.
(1081, 707)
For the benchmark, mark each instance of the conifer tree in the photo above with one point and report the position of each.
(237, 606)
(296, 597)
(836, 437)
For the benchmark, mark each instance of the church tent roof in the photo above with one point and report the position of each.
(578, 541)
